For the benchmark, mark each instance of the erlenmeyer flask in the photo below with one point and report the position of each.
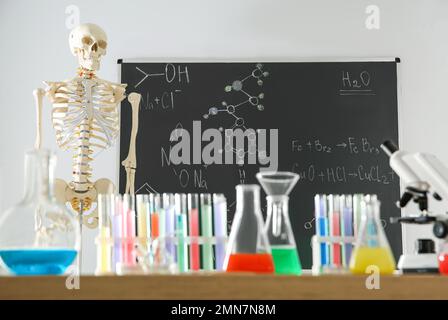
(277, 186)
(38, 236)
(248, 248)
(372, 248)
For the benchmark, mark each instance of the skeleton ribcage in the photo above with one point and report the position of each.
(84, 110)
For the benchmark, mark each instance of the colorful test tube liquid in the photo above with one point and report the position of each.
(168, 203)
(117, 230)
(181, 231)
(142, 219)
(347, 226)
(220, 224)
(207, 231)
(193, 228)
(320, 207)
(104, 263)
(335, 228)
(129, 213)
(155, 216)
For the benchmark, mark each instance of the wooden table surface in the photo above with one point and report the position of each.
(225, 286)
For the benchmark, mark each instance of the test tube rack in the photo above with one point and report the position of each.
(159, 234)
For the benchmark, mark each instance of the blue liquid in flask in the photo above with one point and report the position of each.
(37, 261)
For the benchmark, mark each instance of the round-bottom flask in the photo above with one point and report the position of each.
(38, 236)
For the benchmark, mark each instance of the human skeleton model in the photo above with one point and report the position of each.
(86, 119)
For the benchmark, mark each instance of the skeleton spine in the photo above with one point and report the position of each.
(81, 158)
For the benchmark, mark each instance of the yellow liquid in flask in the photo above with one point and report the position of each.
(363, 257)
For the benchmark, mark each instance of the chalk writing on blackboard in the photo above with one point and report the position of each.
(170, 74)
(356, 84)
(257, 75)
(351, 145)
(364, 173)
(145, 188)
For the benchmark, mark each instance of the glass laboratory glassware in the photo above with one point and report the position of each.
(372, 247)
(220, 225)
(170, 222)
(181, 231)
(104, 247)
(248, 249)
(193, 230)
(38, 236)
(442, 258)
(207, 231)
(277, 186)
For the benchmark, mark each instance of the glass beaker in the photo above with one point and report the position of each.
(38, 236)
(372, 248)
(277, 186)
(248, 249)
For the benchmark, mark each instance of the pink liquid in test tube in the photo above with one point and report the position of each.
(129, 215)
(193, 223)
(335, 228)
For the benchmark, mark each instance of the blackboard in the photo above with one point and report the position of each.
(331, 119)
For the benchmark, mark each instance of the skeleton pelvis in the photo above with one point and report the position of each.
(87, 199)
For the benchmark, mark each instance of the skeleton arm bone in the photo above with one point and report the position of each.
(38, 96)
(130, 163)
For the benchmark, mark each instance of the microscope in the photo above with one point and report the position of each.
(423, 175)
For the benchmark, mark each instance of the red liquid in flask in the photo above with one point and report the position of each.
(246, 262)
(443, 263)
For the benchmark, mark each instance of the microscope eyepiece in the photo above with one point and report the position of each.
(389, 147)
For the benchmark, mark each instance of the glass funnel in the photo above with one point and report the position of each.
(372, 249)
(38, 236)
(248, 247)
(277, 186)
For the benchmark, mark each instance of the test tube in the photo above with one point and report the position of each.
(220, 224)
(181, 231)
(162, 219)
(104, 261)
(142, 218)
(148, 208)
(193, 226)
(321, 215)
(117, 229)
(335, 228)
(168, 204)
(207, 231)
(129, 229)
(155, 215)
(346, 226)
(357, 199)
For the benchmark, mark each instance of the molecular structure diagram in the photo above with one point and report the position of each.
(253, 100)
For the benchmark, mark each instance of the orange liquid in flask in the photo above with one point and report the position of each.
(247, 262)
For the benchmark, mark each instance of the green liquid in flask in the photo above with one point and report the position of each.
(286, 260)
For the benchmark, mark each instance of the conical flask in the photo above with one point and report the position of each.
(248, 249)
(277, 186)
(38, 236)
(372, 251)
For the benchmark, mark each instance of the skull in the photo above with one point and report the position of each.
(88, 42)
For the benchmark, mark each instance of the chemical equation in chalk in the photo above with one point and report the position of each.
(343, 174)
(163, 101)
(171, 74)
(350, 145)
(191, 178)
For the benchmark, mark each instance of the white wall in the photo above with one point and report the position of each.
(34, 47)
